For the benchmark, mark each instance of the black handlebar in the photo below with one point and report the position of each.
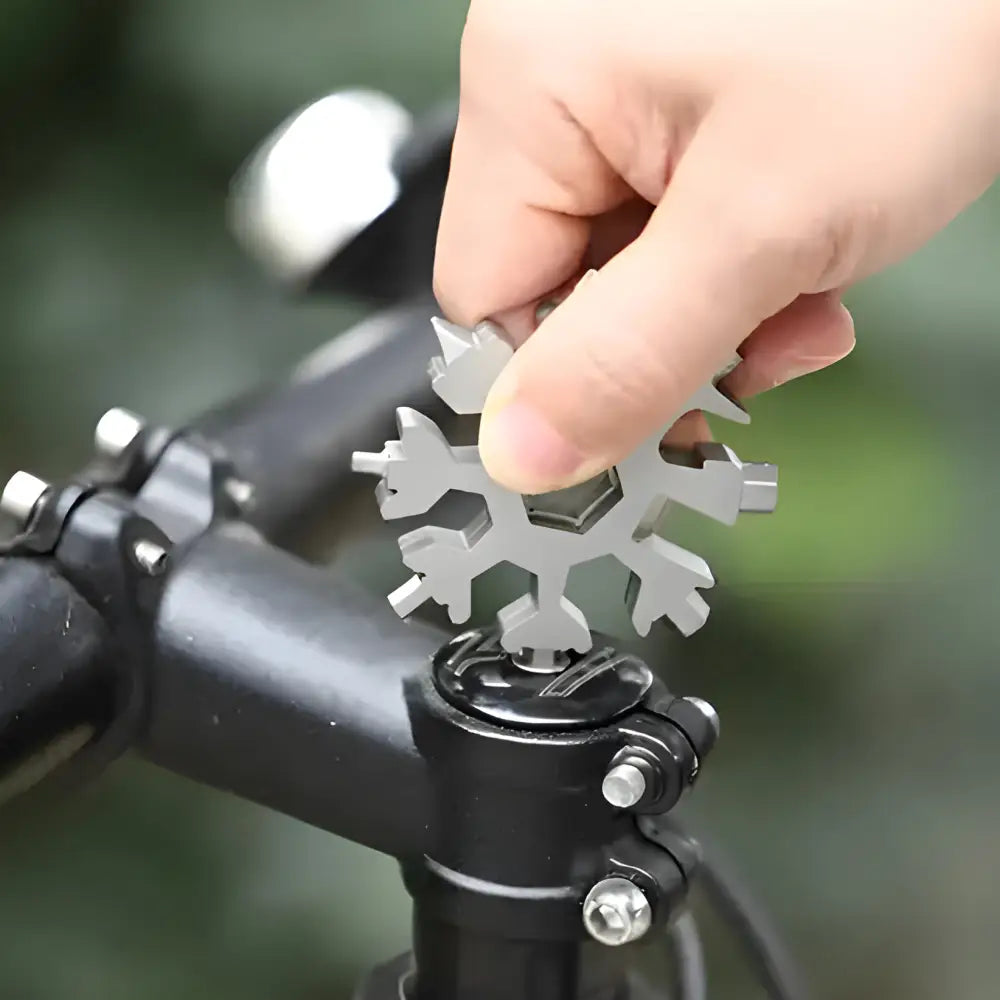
(294, 442)
(61, 671)
(58, 681)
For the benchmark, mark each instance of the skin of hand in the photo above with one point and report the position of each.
(728, 166)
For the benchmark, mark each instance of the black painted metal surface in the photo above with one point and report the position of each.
(294, 441)
(276, 682)
(57, 680)
(477, 676)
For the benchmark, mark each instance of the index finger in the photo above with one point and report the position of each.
(497, 248)
(525, 182)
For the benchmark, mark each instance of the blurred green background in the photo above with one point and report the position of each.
(852, 649)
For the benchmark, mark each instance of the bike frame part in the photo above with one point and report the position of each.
(306, 697)
(263, 676)
(282, 685)
(294, 441)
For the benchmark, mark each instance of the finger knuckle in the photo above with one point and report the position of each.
(776, 225)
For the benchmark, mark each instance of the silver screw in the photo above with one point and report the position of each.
(624, 786)
(21, 496)
(116, 432)
(240, 492)
(151, 557)
(616, 912)
(708, 711)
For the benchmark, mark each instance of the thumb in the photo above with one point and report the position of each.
(618, 359)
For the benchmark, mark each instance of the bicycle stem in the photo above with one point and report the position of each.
(242, 667)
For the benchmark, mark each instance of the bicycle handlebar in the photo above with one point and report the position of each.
(59, 679)
(294, 442)
(61, 667)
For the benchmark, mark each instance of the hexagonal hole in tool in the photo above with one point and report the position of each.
(578, 508)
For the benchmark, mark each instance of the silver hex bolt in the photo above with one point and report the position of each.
(151, 557)
(21, 496)
(116, 432)
(616, 912)
(624, 786)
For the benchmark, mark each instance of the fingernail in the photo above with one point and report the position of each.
(524, 452)
(805, 365)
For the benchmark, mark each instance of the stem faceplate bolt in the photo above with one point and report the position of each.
(616, 911)
(116, 432)
(150, 557)
(624, 786)
(21, 496)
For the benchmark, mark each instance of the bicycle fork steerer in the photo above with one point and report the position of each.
(526, 802)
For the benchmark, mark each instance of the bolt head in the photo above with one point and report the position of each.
(151, 557)
(21, 496)
(116, 432)
(616, 912)
(624, 786)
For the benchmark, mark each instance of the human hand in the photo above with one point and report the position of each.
(790, 149)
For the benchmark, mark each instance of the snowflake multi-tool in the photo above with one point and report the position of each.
(614, 514)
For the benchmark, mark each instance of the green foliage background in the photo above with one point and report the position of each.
(851, 650)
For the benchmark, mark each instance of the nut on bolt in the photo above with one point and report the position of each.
(616, 912)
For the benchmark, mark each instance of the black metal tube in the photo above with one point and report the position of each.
(294, 442)
(519, 832)
(456, 962)
(57, 680)
(276, 682)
